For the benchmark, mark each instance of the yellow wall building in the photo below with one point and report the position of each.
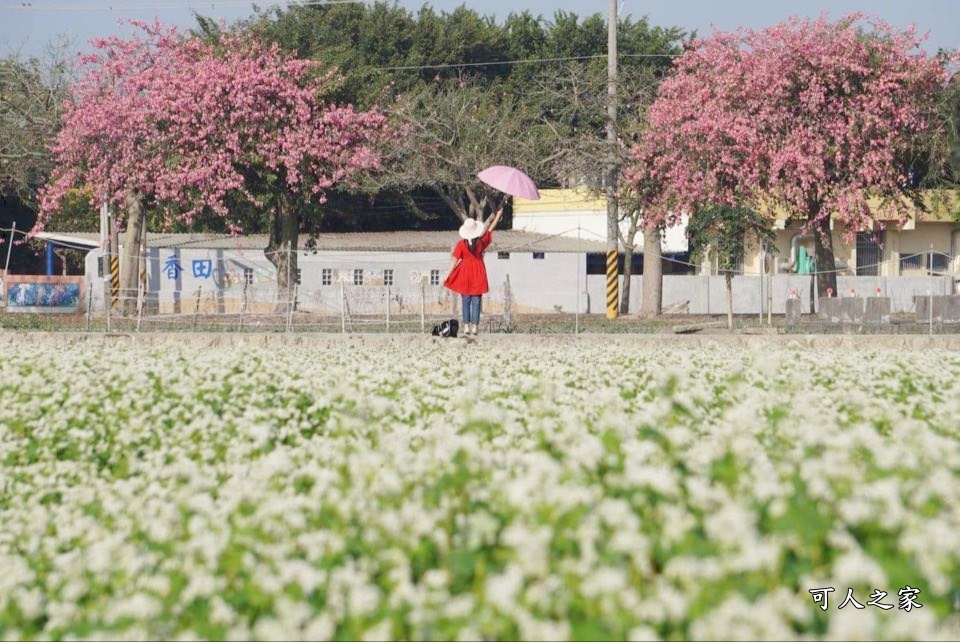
(926, 242)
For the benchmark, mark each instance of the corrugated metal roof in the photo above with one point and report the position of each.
(405, 241)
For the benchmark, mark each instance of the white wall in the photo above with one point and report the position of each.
(174, 283)
(708, 294)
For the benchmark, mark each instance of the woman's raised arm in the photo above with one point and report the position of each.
(495, 220)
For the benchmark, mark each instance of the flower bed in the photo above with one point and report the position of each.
(417, 490)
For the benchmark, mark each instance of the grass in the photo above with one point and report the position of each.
(554, 323)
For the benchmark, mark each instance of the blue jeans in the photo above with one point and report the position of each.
(471, 307)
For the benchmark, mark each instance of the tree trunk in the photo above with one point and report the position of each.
(62, 255)
(282, 252)
(729, 280)
(651, 303)
(455, 205)
(627, 277)
(130, 259)
(466, 204)
(629, 244)
(825, 267)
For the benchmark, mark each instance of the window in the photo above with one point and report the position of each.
(930, 263)
(597, 263)
(326, 276)
(388, 277)
(674, 263)
(434, 277)
(357, 276)
(248, 276)
(503, 255)
(678, 263)
(538, 255)
(911, 262)
(298, 276)
(938, 263)
(869, 254)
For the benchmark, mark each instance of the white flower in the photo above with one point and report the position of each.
(382, 631)
(321, 627)
(642, 634)
(852, 624)
(335, 468)
(854, 567)
(603, 581)
(502, 590)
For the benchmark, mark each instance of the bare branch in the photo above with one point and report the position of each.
(32, 92)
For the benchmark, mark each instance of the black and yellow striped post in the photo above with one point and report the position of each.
(612, 284)
(114, 280)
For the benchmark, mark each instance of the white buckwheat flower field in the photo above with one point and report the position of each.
(417, 489)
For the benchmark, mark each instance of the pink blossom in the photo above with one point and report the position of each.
(187, 124)
(814, 116)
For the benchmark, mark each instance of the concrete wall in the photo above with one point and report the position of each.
(708, 294)
(545, 284)
(175, 277)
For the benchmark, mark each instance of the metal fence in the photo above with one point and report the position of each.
(343, 308)
(346, 308)
(238, 300)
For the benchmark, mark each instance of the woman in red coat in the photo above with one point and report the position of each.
(468, 275)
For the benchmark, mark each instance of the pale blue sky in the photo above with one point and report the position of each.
(27, 30)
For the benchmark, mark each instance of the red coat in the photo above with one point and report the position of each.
(470, 274)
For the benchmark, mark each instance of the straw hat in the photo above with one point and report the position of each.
(471, 229)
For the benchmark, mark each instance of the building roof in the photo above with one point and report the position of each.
(404, 241)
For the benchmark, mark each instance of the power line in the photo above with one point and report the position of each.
(483, 64)
(517, 62)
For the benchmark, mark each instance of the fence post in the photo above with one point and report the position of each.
(708, 277)
(763, 260)
(508, 303)
(576, 317)
(423, 304)
(89, 305)
(6, 266)
(243, 303)
(343, 304)
(770, 299)
(388, 309)
(815, 294)
(290, 306)
(289, 276)
(933, 280)
(196, 307)
(139, 305)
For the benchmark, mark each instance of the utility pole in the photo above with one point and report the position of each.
(105, 258)
(114, 261)
(611, 182)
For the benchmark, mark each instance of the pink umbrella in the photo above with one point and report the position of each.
(510, 180)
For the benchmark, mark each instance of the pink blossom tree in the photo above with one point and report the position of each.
(189, 127)
(810, 116)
